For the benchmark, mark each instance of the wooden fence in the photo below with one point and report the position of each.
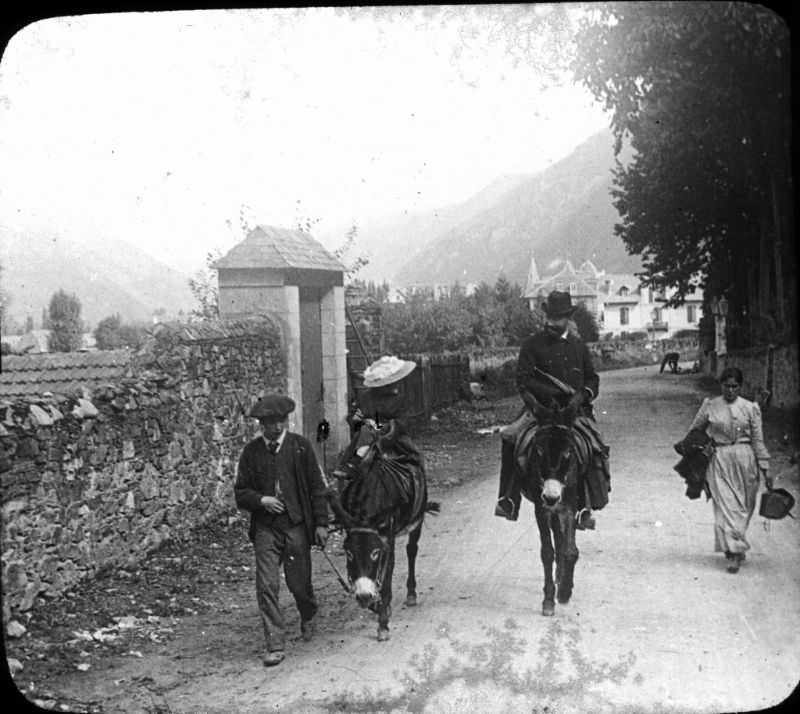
(437, 381)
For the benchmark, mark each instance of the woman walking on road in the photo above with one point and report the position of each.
(734, 426)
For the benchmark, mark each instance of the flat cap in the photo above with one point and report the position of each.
(272, 405)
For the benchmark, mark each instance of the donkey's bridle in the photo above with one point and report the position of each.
(563, 427)
(383, 562)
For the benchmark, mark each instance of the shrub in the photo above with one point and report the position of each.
(683, 334)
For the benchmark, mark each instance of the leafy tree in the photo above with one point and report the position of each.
(488, 317)
(520, 321)
(345, 254)
(378, 292)
(106, 334)
(503, 290)
(66, 326)
(700, 93)
(454, 321)
(424, 323)
(112, 334)
(205, 288)
(585, 323)
(5, 301)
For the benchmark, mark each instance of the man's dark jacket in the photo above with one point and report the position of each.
(303, 466)
(567, 359)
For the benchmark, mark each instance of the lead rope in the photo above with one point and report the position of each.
(384, 565)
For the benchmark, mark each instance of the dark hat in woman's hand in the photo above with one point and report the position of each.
(776, 503)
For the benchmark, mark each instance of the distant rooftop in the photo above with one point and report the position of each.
(282, 248)
(60, 372)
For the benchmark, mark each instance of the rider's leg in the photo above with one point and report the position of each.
(584, 520)
(509, 493)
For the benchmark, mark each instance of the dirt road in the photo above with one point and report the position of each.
(655, 623)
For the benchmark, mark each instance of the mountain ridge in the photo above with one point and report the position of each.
(107, 276)
(378, 238)
(565, 210)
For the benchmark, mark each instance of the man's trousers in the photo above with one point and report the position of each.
(288, 546)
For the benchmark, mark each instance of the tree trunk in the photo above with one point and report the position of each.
(780, 311)
(764, 265)
(752, 304)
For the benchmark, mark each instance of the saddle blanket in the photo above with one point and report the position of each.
(391, 487)
(592, 453)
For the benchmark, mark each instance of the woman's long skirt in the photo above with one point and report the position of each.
(733, 480)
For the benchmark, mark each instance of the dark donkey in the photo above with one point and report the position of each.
(385, 498)
(555, 459)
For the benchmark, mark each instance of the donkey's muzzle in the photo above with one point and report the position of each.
(551, 492)
(365, 591)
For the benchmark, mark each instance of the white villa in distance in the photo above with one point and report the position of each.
(618, 300)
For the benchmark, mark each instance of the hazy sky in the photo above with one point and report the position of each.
(160, 128)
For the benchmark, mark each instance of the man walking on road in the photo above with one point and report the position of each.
(555, 366)
(279, 481)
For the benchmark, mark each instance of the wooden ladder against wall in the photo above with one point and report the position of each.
(358, 354)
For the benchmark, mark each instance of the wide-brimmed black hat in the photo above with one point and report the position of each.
(559, 304)
(272, 406)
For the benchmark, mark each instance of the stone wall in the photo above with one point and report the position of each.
(96, 480)
(637, 352)
(767, 369)
(785, 387)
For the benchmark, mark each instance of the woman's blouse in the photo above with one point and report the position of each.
(736, 422)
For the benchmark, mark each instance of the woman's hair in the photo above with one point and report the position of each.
(732, 372)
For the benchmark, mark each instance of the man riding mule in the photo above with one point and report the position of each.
(383, 491)
(555, 370)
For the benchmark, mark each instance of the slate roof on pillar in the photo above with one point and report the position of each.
(281, 248)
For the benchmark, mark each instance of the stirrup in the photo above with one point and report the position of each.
(584, 520)
(504, 508)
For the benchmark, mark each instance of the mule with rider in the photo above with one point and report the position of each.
(553, 453)
(383, 491)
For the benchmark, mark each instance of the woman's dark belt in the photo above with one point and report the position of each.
(730, 443)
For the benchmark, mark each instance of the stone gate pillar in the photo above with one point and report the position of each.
(289, 275)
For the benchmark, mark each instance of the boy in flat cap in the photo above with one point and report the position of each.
(280, 482)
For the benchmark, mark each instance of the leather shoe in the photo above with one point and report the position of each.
(505, 509)
(735, 562)
(273, 658)
(307, 629)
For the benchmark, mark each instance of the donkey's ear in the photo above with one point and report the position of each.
(539, 410)
(342, 516)
(566, 416)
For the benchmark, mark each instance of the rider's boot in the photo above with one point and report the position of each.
(509, 496)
